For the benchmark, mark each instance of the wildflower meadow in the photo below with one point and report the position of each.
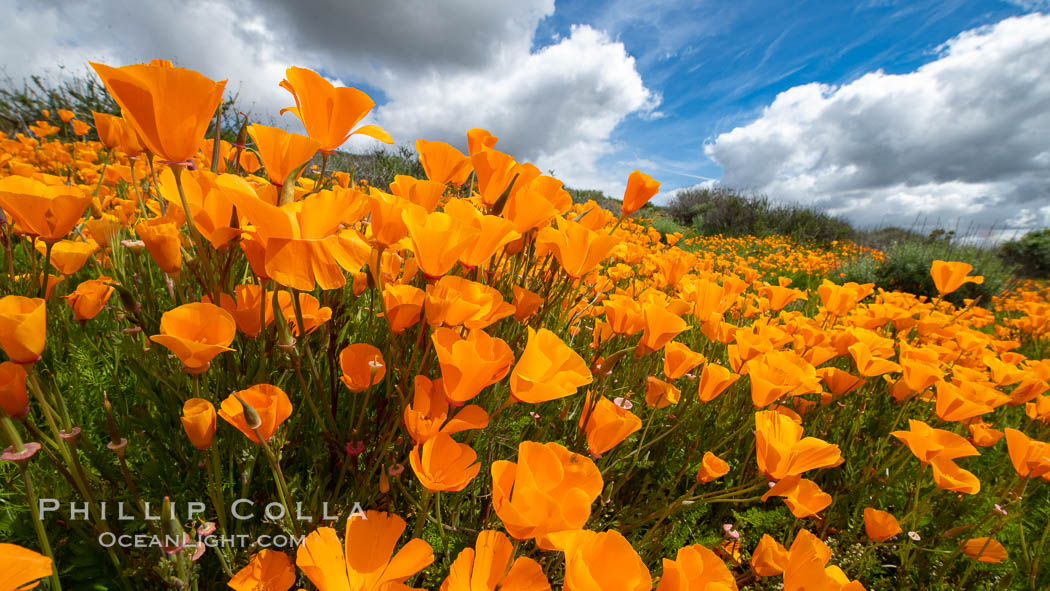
(233, 363)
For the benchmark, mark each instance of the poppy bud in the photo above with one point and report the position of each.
(198, 419)
(251, 418)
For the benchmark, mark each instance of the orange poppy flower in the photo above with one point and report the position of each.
(333, 566)
(271, 405)
(880, 525)
(443, 163)
(310, 308)
(839, 382)
(949, 476)
(438, 240)
(442, 464)
(867, 364)
(281, 152)
(488, 566)
(640, 189)
(22, 568)
(696, 568)
(680, 360)
(249, 311)
(362, 366)
(404, 304)
(982, 435)
(777, 374)
(624, 314)
(806, 568)
(196, 333)
(469, 365)
(782, 451)
(712, 468)
(304, 244)
(428, 414)
(578, 248)
(268, 570)
(985, 550)
(769, 558)
(329, 114)
(386, 225)
(493, 232)
(452, 301)
(547, 489)
(426, 194)
(839, 300)
(714, 380)
(13, 397)
(89, 298)
(607, 424)
(603, 561)
(661, 325)
(1030, 457)
(23, 328)
(168, 107)
(495, 171)
(660, 394)
(163, 240)
(548, 369)
(479, 139)
(66, 115)
(526, 303)
(68, 256)
(928, 443)
(109, 128)
(955, 403)
(198, 420)
(802, 496)
(950, 276)
(47, 211)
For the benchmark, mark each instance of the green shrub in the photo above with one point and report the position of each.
(906, 267)
(1029, 253)
(724, 211)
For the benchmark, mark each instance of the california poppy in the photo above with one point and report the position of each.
(1030, 457)
(880, 525)
(479, 139)
(271, 406)
(714, 380)
(404, 304)
(468, 365)
(680, 360)
(168, 107)
(163, 241)
(640, 189)
(660, 394)
(696, 568)
(47, 211)
(268, 570)
(769, 557)
(452, 301)
(248, 310)
(985, 550)
(488, 566)
(949, 276)
(428, 415)
(13, 397)
(362, 366)
(782, 451)
(332, 565)
(438, 240)
(803, 497)
(89, 298)
(548, 369)
(198, 420)
(443, 163)
(603, 561)
(22, 568)
(328, 113)
(442, 464)
(547, 489)
(23, 328)
(68, 256)
(577, 248)
(712, 468)
(281, 152)
(196, 333)
(607, 424)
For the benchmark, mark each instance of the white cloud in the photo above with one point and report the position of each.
(962, 138)
(442, 67)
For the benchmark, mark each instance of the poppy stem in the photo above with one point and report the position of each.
(44, 279)
(38, 525)
(421, 518)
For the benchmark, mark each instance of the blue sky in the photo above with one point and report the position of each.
(717, 65)
(883, 112)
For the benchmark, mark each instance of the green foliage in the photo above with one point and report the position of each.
(378, 167)
(1029, 253)
(906, 267)
(729, 213)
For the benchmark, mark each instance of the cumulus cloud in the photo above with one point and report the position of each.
(961, 140)
(440, 68)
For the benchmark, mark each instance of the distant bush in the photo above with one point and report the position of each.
(906, 267)
(724, 211)
(1029, 253)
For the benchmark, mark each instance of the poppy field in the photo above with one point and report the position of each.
(229, 364)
